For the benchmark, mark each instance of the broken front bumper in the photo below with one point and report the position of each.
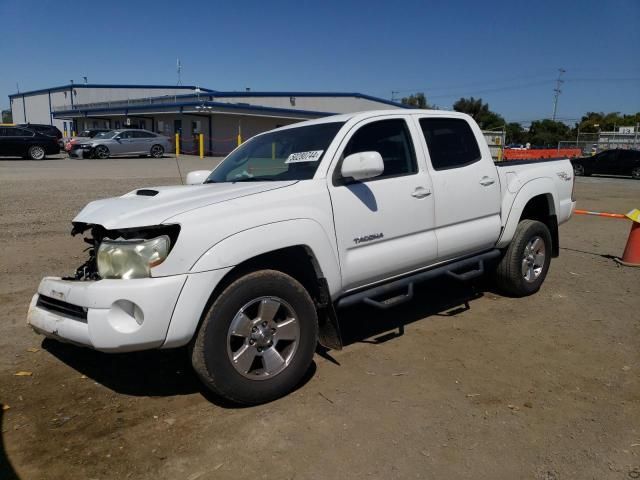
(108, 315)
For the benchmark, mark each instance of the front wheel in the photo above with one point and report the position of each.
(257, 340)
(36, 152)
(101, 152)
(525, 264)
(635, 173)
(580, 171)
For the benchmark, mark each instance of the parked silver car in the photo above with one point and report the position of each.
(122, 142)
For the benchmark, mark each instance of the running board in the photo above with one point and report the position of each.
(451, 269)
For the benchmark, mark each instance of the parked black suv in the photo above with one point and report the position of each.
(609, 162)
(45, 130)
(26, 143)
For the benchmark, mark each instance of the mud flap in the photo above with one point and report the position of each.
(328, 327)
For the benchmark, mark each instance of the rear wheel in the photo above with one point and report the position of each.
(525, 264)
(635, 173)
(257, 340)
(36, 152)
(157, 151)
(101, 152)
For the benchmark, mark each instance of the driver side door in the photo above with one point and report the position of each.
(384, 225)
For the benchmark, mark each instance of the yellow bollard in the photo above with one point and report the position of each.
(177, 144)
(239, 139)
(201, 145)
(73, 134)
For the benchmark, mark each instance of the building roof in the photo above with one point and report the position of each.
(210, 92)
(102, 85)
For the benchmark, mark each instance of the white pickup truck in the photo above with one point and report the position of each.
(249, 263)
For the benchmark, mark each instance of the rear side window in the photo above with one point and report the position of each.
(391, 139)
(450, 141)
(18, 132)
(140, 134)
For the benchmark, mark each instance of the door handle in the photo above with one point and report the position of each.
(486, 181)
(421, 192)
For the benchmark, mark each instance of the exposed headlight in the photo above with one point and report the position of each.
(131, 258)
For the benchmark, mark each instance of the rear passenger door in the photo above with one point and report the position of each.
(384, 225)
(143, 141)
(465, 187)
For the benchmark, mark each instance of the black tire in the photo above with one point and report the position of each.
(635, 173)
(157, 151)
(210, 352)
(101, 152)
(510, 275)
(580, 170)
(36, 152)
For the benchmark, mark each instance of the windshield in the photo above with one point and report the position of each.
(290, 154)
(109, 134)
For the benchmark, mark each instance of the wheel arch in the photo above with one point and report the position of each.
(535, 201)
(299, 262)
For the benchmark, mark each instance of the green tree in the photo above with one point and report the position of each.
(7, 117)
(515, 133)
(547, 133)
(480, 112)
(417, 100)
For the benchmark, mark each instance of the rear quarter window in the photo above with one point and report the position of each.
(450, 141)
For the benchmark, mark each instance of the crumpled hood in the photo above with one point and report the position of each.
(149, 208)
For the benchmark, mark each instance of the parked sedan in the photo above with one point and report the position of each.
(122, 142)
(26, 143)
(609, 162)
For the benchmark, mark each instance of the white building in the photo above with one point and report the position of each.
(188, 110)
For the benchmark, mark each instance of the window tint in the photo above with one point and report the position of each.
(391, 139)
(18, 132)
(450, 141)
(126, 134)
(140, 134)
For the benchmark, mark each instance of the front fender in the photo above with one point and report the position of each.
(250, 243)
(533, 188)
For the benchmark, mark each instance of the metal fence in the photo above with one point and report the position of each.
(592, 143)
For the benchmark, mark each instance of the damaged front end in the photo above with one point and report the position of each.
(93, 269)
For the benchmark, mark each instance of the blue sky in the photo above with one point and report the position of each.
(507, 52)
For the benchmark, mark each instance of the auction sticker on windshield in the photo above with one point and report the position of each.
(311, 156)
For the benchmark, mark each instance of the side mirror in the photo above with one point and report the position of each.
(197, 177)
(363, 165)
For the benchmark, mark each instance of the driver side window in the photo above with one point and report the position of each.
(392, 140)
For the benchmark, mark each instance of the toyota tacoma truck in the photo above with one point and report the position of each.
(249, 264)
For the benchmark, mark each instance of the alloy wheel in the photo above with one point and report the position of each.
(533, 259)
(263, 338)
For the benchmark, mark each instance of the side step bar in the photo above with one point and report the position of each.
(450, 269)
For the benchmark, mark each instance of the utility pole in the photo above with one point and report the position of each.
(559, 82)
(179, 69)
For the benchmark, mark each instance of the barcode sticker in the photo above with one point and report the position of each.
(311, 156)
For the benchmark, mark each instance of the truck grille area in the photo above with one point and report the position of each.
(69, 310)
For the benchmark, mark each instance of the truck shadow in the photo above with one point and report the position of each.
(169, 372)
(150, 373)
(439, 297)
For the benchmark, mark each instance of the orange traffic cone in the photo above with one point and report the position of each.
(631, 255)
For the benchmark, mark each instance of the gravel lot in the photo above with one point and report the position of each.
(545, 387)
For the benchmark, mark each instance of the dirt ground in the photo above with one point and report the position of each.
(545, 387)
